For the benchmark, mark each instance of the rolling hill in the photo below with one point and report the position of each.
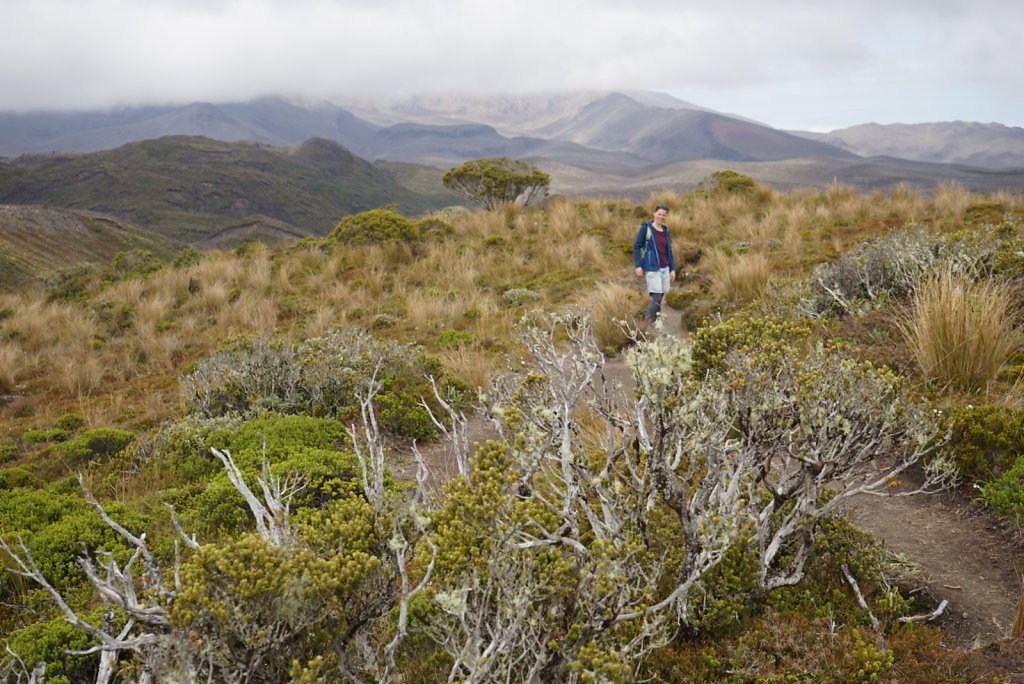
(193, 189)
(35, 240)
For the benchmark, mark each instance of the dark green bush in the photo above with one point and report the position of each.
(190, 256)
(95, 444)
(50, 642)
(71, 284)
(678, 299)
(44, 436)
(8, 452)
(135, 263)
(60, 527)
(726, 181)
(376, 225)
(11, 478)
(453, 339)
(1005, 494)
(985, 441)
(69, 422)
(278, 433)
(434, 229)
(292, 445)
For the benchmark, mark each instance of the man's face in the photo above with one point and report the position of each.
(661, 215)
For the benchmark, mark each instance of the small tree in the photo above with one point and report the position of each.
(498, 180)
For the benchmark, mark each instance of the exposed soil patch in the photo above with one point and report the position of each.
(962, 556)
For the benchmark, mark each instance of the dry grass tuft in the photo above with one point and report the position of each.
(960, 330)
(474, 367)
(611, 304)
(741, 278)
(10, 364)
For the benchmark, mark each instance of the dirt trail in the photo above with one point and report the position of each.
(960, 555)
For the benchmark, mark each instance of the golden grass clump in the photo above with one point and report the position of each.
(612, 304)
(80, 376)
(741, 278)
(474, 367)
(951, 199)
(961, 331)
(10, 364)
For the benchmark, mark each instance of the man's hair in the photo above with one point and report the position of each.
(660, 207)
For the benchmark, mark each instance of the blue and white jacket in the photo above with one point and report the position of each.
(645, 249)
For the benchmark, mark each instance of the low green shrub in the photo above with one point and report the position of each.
(453, 339)
(1005, 494)
(518, 296)
(768, 335)
(985, 441)
(274, 434)
(94, 444)
(11, 478)
(432, 228)
(311, 448)
(59, 527)
(45, 436)
(376, 225)
(320, 377)
(50, 642)
(8, 452)
(678, 299)
(70, 422)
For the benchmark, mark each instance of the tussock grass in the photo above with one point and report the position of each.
(961, 331)
(740, 278)
(474, 367)
(611, 305)
(951, 199)
(80, 376)
(10, 365)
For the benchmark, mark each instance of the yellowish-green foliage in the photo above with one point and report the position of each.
(252, 606)
(962, 330)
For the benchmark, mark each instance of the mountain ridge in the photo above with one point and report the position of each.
(589, 135)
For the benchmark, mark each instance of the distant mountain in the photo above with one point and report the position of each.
(270, 120)
(35, 240)
(193, 189)
(587, 141)
(596, 131)
(661, 135)
(990, 145)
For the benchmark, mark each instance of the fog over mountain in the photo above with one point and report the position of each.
(990, 145)
(589, 141)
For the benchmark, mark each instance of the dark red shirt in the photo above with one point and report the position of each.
(661, 241)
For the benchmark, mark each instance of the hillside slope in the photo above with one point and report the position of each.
(190, 188)
(34, 240)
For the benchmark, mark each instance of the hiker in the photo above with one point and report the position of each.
(652, 256)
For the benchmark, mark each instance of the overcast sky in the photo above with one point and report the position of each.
(792, 64)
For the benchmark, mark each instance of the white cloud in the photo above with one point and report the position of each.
(764, 57)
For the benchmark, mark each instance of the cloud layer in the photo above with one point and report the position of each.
(790, 62)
